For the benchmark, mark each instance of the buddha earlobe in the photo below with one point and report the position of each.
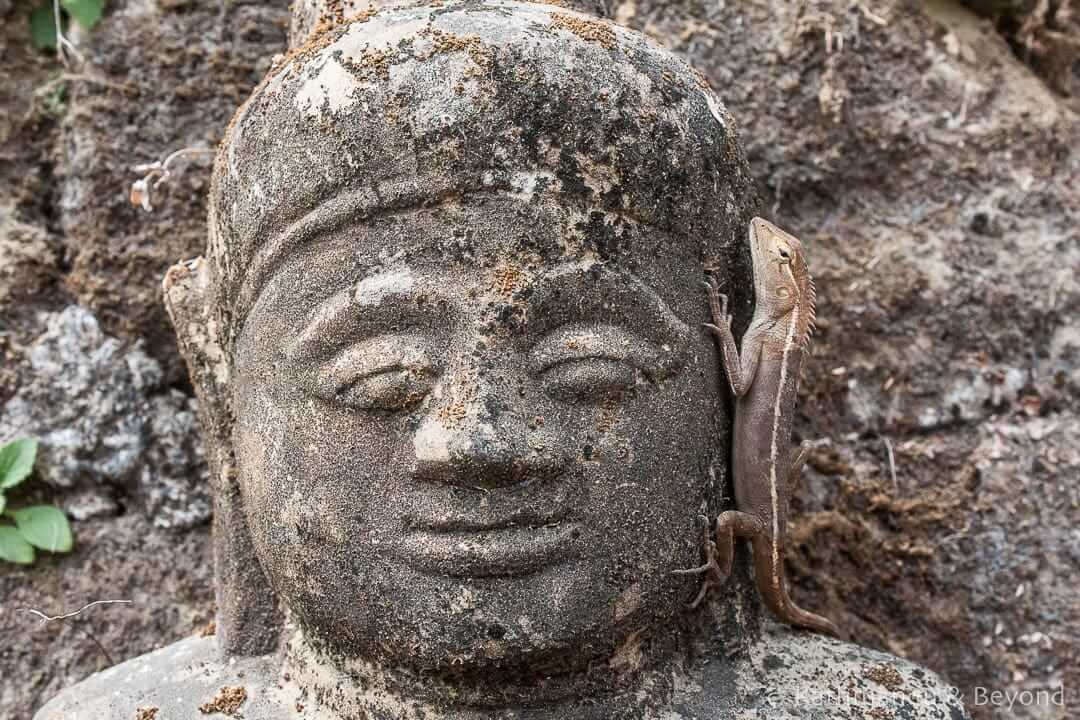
(187, 295)
(248, 617)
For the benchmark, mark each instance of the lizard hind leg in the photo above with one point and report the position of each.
(730, 526)
(709, 569)
(798, 462)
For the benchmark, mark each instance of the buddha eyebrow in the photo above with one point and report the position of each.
(584, 291)
(370, 298)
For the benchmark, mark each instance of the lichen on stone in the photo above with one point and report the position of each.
(596, 31)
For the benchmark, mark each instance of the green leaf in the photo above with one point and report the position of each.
(16, 461)
(13, 548)
(3, 502)
(43, 27)
(43, 526)
(86, 12)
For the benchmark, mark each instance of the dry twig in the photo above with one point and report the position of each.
(50, 618)
(159, 172)
(892, 462)
(46, 619)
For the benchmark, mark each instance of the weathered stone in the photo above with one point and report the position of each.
(785, 676)
(104, 422)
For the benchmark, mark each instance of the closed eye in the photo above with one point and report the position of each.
(388, 372)
(594, 363)
(589, 379)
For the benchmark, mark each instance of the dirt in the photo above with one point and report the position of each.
(228, 701)
(167, 578)
(928, 158)
(158, 77)
(1043, 34)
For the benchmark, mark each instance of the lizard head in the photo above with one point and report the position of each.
(782, 281)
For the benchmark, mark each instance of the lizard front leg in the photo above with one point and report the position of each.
(739, 370)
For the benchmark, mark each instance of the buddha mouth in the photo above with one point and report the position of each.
(507, 551)
(475, 532)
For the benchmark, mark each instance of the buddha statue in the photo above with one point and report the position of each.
(461, 414)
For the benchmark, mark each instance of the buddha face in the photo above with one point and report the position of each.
(478, 433)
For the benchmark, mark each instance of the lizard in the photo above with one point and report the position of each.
(764, 381)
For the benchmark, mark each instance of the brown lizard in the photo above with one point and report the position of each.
(764, 380)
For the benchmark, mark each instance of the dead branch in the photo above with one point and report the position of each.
(51, 618)
(159, 172)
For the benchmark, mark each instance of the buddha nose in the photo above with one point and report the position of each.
(479, 444)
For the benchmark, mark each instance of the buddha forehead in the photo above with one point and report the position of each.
(501, 258)
(582, 125)
(481, 244)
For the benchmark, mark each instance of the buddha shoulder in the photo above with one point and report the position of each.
(187, 679)
(789, 674)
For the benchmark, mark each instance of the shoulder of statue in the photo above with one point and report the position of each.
(788, 674)
(187, 679)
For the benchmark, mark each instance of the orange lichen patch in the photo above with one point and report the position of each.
(443, 41)
(330, 26)
(333, 12)
(228, 701)
(595, 31)
(507, 280)
(364, 15)
(452, 414)
(886, 676)
(374, 61)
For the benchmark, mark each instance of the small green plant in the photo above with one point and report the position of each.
(48, 19)
(38, 526)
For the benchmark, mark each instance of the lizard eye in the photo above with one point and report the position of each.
(785, 254)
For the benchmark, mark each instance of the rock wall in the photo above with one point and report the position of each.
(931, 173)
(89, 362)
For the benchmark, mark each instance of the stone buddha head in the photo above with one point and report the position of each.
(454, 276)
(447, 337)
(461, 415)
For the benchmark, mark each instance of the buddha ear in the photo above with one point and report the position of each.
(248, 617)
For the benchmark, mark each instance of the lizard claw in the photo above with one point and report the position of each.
(710, 568)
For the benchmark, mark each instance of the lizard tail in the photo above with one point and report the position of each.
(773, 589)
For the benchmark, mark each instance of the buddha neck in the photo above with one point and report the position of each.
(643, 671)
